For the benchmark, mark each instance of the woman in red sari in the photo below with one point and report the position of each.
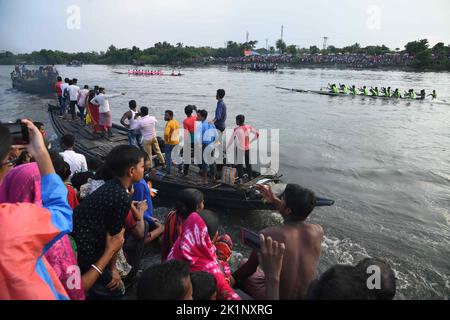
(93, 112)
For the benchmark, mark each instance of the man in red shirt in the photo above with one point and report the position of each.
(189, 127)
(241, 135)
(59, 92)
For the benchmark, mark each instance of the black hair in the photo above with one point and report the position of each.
(91, 94)
(300, 200)
(240, 119)
(96, 87)
(188, 201)
(70, 82)
(66, 80)
(163, 281)
(344, 282)
(211, 220)
(203, 285)
(132, 104)
(81, 178)
(221, 93)
(100, 89)
(59, 78)
(144, 111)
(188, 110)
(169, 112)
(74, 80)
(68, 140)
(93, 164)
(86, 86)
(21, 158)
(62, 168)
(122, 157)
(104, 173)
(203, 113)
(5, 142)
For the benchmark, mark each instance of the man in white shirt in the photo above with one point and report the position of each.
(76, 161)
(64, 99)
(146, 126)
(82, 101)
(102, 100)
(74, 92)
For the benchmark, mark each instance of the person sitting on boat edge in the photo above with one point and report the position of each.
(171, 138)
(195, 245)
(302, 241)
(189, 200)
(129, 121)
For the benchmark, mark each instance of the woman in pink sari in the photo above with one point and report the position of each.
(23, 184)
(195, 245)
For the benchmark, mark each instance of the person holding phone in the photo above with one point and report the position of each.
(302, 241)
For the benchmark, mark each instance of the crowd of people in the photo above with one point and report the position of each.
(21, 71)
(86, 223)
(359, 60)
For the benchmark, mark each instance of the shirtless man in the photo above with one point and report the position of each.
(302, 241)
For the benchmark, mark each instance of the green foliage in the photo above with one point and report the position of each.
(281, 45)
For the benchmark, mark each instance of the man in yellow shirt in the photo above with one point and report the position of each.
(171, 137)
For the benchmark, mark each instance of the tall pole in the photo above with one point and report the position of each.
(282, 29)
(267, 44)
(246, 39)
(325, 40)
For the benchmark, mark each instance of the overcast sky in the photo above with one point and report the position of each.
(53, 24)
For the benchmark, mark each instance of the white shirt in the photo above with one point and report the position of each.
(73, 92)
(146, 125)
(102, 101)
(76, 161)
(82, 98)
(63, 87)
(133, 122)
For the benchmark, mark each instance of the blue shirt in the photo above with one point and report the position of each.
(221, 115)
(205, 133)
(142, 192)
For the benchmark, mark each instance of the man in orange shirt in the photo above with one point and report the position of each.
(171, 138)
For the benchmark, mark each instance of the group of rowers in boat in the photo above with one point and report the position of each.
(384, 92)
(151, 73)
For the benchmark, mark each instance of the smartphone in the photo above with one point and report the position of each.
(250, 239)
(19, 133)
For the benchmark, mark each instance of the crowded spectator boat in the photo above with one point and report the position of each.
(238, 196)
(36, 81)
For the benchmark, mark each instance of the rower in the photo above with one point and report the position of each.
(397, 94)
(389, 92)
(334, 88)
(365, 91)
(375, 92)
(354, 91)
(423, 94)
(433, 95)
(412, 94)
(344, 88)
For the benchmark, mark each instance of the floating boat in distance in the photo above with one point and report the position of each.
(74, 63)
(332, 94)
(224, 196)
(40, 83)
(149, 73)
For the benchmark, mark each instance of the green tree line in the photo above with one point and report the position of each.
(436, 57)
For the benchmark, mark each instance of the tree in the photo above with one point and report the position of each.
(415, 47)
(292, 49)
(281, 45)
(314, 49)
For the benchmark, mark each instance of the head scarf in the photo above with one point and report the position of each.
(22, 184)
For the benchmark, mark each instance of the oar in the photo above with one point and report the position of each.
(296, 90)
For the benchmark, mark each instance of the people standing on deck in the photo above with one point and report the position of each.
(241, 135)
(302, 241)
(189, 130)
(220, 117)
(129, 121)
(93, 111)
(58, 91)
(171, 138)
(102, 100)
(76, 161)
(82, 99)
(146, 125)
(64, 96)
(206, 135)
(74, 92)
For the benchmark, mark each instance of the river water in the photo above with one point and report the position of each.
(385, 163)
